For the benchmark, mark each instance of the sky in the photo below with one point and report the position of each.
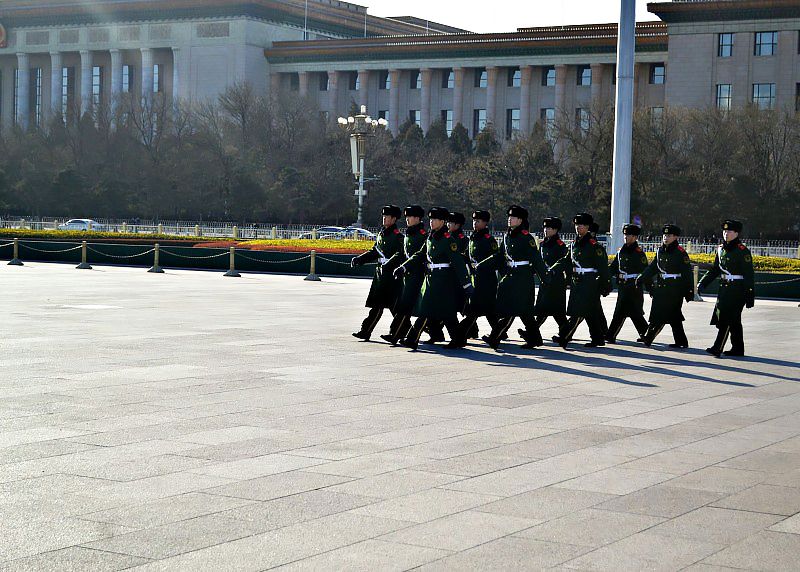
(506, 15)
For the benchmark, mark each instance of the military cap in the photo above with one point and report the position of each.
(583, 218)
(552, 222)
(392, 210)
(414, 210)
(594, 227)
(457, 218)
(633, 229)
(734, 225)
(518, 211)
(440, 213)
(671, 229)
(481, 215)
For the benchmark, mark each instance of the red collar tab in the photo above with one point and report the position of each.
(397, 231)
(592, 241)
(524, 231)
(446, 234)
(742, 246)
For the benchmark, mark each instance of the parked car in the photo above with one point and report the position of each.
(82, 224)
(355, 233)
(323, 232)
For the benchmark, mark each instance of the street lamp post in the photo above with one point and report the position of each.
(360, 127)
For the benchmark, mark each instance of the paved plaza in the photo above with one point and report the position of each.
(188, 421)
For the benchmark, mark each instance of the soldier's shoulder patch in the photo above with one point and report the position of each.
(494, 246)
(592, 241)
(599, 252)
(446, 234)
(748, 258)
(533, 243)
(453, 247)
(524, 231)
(742, 246)
(560, 242)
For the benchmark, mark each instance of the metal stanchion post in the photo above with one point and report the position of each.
(160, 228)
(156, 261)
(696, 278)
(275, 233)
(232, 272)
(16, 261)
(197, 230)
(235, 231)
(84, 265)
(312, 275)
(124, 227)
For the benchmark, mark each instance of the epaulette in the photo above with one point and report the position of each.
(638, 249)
(742, 246)
(446, 234)
(524, 231)
(560, 242)
(592, 241)
(681, 248)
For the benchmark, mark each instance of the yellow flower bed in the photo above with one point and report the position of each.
(323, 245)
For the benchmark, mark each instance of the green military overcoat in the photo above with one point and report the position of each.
(516, 288)
(670, 274)
(388, 253)
(629, 262)
(733, 259)
(415, 273)
(463, 248)
(585, 253)
(482, 245)
(552, 298)
(437, 299)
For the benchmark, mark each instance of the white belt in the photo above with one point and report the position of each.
(515, 263)
(585, 270)
(628, 276)
(732, 277)
(433, 266)
(383, 260)
(664, 275)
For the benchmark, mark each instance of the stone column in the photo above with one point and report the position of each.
(303, 83)
(116, 80)
(458, 97)
(491, 99)
(55, 83)
(147, 73)
(363, 87)
(23, 90)
(394, 101)
(333, 95)
(425, 99)
(561, 88)
(526, 73)
(639, 71)
(86, 80)
(176, 76)
(597, 84)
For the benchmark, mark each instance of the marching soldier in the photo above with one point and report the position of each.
(629, 262)
(673, 284)
(482, 245)
(445, 270)
(588, 263)
(733, 264)
(388, 252)
(552, 298)
(412, 277)
(515, 291)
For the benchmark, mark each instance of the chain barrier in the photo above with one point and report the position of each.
(195, 257)
(115, 256)
(50, 251)
(348, 263)
(273, 261)
(4, 245)
(779, 281)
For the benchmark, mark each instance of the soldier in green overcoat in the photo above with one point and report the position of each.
(414, 241)
(552, 298)
(629, 262)
(482, 245)
(388, 253)
(670, 273)
(588, 263)
(444, 271)
(733, 264)
(521, 259)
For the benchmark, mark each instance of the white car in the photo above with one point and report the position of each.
(82, 224)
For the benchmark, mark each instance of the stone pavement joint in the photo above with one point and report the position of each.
(182, 421)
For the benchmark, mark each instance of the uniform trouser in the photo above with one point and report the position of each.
(619, 318)
(736, 334)
(400, 326)
(419, 326)
(677, 332)
(560, 319)
(468, 325)
(532, 334)
(371, 320)
(597, 328)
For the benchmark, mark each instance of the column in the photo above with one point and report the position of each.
(23, 90)
(176, 76)
(425, 99)
(491, 99)
(640, 71)
(303, 83)
(116, 80)
(147, 73)
(55, 83)
(561, 88)
(363, 86)
(333, 95)
(458, 97)
(86, 80)
(526, 73)
(597, 84)
(274, 82)
(394, 101)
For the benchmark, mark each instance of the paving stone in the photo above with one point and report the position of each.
(371, 555)
(791, 525)
(718, 479)
(591, 527)
(661, 500)
(395, 483)
(72, 559)
(716, 525)
(766, 551)
(616, 481)
(276, 486)
(426, 505)
(764, 498)
(545, 503)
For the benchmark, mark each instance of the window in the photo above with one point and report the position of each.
(448, 79)
(724, 45)
(383, 114)
(294, 82)
(158, 78)
(415, 115)
(97, 85)
(481, 77)
(323, 81)
(323, 115)
(724, 95)
(447, 119)
(764, 95)
(548, 117)
(514, 77)
(35, 96)
(582, 119)
(657, 74)
(548, 76)
(127, 78)
(584, 75)
(478, 121)
(68, 90)
(656, 114)
(384, 80)
(766, 44)
(352, 81)
(512, 123)
(414, 79)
